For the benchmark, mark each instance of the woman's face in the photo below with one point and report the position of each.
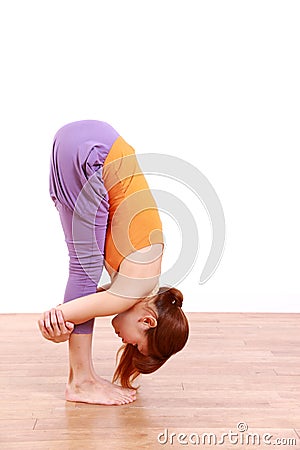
(131, 326)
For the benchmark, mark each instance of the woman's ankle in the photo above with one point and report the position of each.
(78, 377)
(80, 359)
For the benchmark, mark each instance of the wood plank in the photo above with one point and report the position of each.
(236, 367)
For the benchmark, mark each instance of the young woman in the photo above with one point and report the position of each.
(110, 219)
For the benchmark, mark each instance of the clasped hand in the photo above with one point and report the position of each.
(53, 326)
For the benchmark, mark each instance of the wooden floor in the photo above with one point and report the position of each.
(236, 369)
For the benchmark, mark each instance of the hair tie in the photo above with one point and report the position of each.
(171, 296)
(176, 302)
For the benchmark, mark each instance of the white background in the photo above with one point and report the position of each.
(213, 82)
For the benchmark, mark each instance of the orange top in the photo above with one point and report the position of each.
(134, 221)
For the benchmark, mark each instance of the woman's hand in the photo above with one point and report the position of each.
(53, 326)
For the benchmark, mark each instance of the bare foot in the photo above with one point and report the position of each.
(131, 392)
(97, 392)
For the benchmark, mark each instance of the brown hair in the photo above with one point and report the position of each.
(168, 337)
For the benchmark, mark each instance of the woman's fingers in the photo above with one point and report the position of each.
(64, 327)
(70, 326)
(47, 322)
(55, 323)
(54, 327)
(43, 329)
(61, 321)
(51, 323)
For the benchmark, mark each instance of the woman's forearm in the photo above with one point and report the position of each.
(95, 305)
(122, 294)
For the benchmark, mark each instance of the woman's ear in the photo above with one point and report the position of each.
(149, 321)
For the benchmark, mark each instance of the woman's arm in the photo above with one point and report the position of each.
(138, 275)
(57, 324)
(102, 303)
(135, 280)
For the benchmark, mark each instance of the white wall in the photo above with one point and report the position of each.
(214, 82)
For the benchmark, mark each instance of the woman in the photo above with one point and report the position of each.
(110, 218)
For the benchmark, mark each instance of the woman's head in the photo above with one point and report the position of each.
(152, 330)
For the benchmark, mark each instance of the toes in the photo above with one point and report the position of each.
(125, 399)
(128, 399)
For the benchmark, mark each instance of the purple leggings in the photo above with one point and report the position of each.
(77, 189)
